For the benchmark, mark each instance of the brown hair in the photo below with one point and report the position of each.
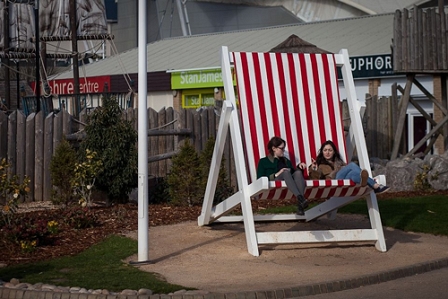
(320, 157)
(275, 142)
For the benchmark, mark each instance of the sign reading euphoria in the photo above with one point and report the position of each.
(372, 66)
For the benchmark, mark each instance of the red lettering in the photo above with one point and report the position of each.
(70, 88)
(87, 85)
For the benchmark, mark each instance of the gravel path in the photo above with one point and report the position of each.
(215, 258)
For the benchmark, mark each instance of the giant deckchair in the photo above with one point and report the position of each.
(294, 96)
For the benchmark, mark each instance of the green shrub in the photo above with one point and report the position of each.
(421, 182)
(114, 140)
(80, 217)
(11, 190)
(184, 179)
(158, 191)
(62, 170)
(85, 176)
(28, 232)
(223, 187)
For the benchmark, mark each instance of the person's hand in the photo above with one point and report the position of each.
(313, 164)
(281, 171)
(301, 166)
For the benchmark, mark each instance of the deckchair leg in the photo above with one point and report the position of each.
(327, 207)
(375, 221)
(249, 226)
(332, 215)
(218, 150)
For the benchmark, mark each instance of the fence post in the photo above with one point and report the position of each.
(382, 123)
(162, 142)
(21, 145)
(170, 118)
(29, 153)
(12, 141)
(153, 144)
(39, 156)
(48, 155)
(57, 130)
(66, 122)
(3, 135)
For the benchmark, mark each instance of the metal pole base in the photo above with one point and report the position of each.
(140, 263)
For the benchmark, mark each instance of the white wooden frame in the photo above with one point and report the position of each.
(229, 121)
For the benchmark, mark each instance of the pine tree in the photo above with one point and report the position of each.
(184, 179)
(62, 169)
(223, 187)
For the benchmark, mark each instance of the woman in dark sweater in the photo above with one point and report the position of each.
(276, 166)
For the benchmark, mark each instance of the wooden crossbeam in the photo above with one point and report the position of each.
(402, 116)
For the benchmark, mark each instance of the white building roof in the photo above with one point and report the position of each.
(310, 10)
(368, 35)
(383, 6)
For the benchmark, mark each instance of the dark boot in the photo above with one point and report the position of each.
(300, 210)
(302, 202)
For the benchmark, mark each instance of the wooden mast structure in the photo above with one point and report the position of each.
(420, 46)
(70, 34)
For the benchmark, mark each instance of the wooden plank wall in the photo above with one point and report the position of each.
(29, 142)
(380, 121)
(420, 41)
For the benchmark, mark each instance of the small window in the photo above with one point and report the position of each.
(198, 98)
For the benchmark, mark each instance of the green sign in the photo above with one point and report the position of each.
(196, 79)
(208, 100)
(197, 100)
(192, 101)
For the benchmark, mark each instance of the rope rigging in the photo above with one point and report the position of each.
(159, 31)
(126, 76)
(56, 49)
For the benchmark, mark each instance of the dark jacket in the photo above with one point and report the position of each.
(268, 166)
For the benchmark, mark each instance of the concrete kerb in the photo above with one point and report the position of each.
(299, 291)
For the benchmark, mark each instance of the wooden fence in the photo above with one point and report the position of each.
(420, 41)
(380, 123)
(167, 129)
(29, 142)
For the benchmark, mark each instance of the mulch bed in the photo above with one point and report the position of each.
(119, 219)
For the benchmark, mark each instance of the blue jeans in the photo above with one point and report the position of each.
(353, 172)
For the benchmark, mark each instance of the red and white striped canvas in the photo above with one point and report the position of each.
(294, 96)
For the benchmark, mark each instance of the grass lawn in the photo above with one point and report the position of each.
(101, 266)
(426, 214)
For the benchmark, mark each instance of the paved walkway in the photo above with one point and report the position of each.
(214, 260)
